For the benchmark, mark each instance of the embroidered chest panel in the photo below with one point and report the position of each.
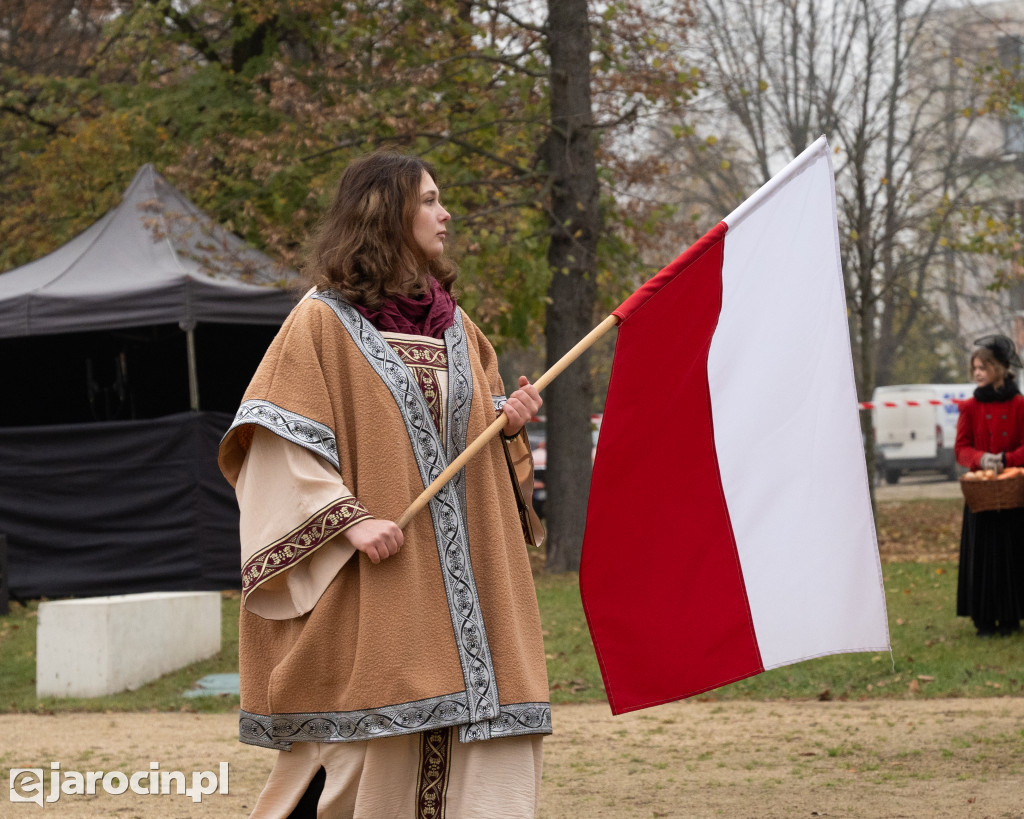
(427, 360)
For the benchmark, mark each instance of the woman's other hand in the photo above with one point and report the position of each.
(521, 406)
(992, 461)
(377, 539)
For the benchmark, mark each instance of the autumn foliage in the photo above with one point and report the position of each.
(252, 109)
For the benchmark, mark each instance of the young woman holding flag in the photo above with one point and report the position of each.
(401, 672)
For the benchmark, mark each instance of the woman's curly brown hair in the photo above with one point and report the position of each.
(363, 246)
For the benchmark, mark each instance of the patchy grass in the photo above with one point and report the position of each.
(920, 530)
(935, 653)
(573, 672)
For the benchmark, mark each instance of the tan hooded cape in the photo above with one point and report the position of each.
(445, 633)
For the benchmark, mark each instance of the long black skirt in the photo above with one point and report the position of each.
(990, 587)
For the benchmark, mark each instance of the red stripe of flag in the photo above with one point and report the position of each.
(656, 391)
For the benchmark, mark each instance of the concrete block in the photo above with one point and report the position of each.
(101, 645)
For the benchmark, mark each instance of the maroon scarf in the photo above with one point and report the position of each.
(429, 315)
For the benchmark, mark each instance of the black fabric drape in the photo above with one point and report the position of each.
(116, 508)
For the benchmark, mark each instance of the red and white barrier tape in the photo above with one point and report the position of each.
(931, 402)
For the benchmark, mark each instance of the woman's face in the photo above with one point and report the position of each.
(428, 226)
(984, 373)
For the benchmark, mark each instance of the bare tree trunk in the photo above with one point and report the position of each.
(865, 389)
(575, 226)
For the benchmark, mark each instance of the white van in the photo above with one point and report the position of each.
(915, 428)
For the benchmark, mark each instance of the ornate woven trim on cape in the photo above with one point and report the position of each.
(281, 730)
(448, 507)
(302, 541)
(435, 767)
(291, 426)
(460, 397)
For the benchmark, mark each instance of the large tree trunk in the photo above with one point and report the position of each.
(575, 227)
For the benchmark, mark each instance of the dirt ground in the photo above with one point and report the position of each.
(928, 758)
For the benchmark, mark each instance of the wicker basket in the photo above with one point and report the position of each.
(992, 495)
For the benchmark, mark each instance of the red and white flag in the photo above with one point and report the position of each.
(729, 528)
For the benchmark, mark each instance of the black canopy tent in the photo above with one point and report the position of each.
(123, 355)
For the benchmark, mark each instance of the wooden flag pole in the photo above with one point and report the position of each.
(499, 423)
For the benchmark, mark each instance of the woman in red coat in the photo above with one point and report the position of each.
(990, 435)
